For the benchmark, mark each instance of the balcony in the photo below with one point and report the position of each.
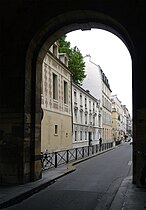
(94, 112)
(90, 124)
(86, 110)
(90, 111)
(81, 108)
(76, 105)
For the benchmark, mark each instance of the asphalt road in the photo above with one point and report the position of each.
(91, 186)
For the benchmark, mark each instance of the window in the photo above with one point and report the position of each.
(93, 135)
(55, 87)
(85, 119)
(76, 136)
(90, 105)
(80, 99)
(85, 102)
(80, 135)
(55, 50)
(93, 107)
(93, 121)
(76, 118)
(75, 96)
(66, 61)
(90, 118)
(56, 129)
(65, 92)
(85, 135)
(81, 117)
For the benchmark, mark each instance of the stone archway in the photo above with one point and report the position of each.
(50, 32)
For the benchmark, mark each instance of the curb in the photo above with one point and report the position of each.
(120, 196)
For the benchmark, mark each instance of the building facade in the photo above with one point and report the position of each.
(128, 123)
(86, 117)
(98, 85)
(56, 126)
(118, 120)
(106, 110)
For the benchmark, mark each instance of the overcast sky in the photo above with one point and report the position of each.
(111, 54)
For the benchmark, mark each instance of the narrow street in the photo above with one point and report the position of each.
(91, 186)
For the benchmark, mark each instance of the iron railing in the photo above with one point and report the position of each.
(55, 159)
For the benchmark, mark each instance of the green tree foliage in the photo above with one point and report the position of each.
(76, 62)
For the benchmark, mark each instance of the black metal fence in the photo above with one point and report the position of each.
(55, 159)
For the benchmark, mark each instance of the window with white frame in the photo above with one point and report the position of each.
(81, 135)
(85, 135)
(93, 135)
(75, 96)
(85, 119)
(76, 136)
(75, 114)
(93, 120)
(81, 117)
(80, 99)
(85, 102)
(89, 105)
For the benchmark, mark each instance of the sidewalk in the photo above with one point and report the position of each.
(128, 196)
(12, 195)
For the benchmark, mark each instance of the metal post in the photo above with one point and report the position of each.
(55, 159)
(66, 156)
(82, 152)
(88, 150)
(76, 157)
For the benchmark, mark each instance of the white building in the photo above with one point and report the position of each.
(86, 117)
(93, 80)
(98, 85)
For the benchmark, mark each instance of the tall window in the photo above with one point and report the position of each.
(81, 135)
(55, 87)
(93, 135)
(65, 92)
(76, 118)
(75, 96)
(89, 105)
(93, 107)
(80, 99)
(56, 129)
(85, 119)
(93, 121)
(85, 102)
(55, 50)
(81, 117)
(76, 136)
(85, 135)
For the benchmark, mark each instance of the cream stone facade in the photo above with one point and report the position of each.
(56, 126)
(86, 117)
(106, 110)
(118, 120)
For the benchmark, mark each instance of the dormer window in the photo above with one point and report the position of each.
(55, 50)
